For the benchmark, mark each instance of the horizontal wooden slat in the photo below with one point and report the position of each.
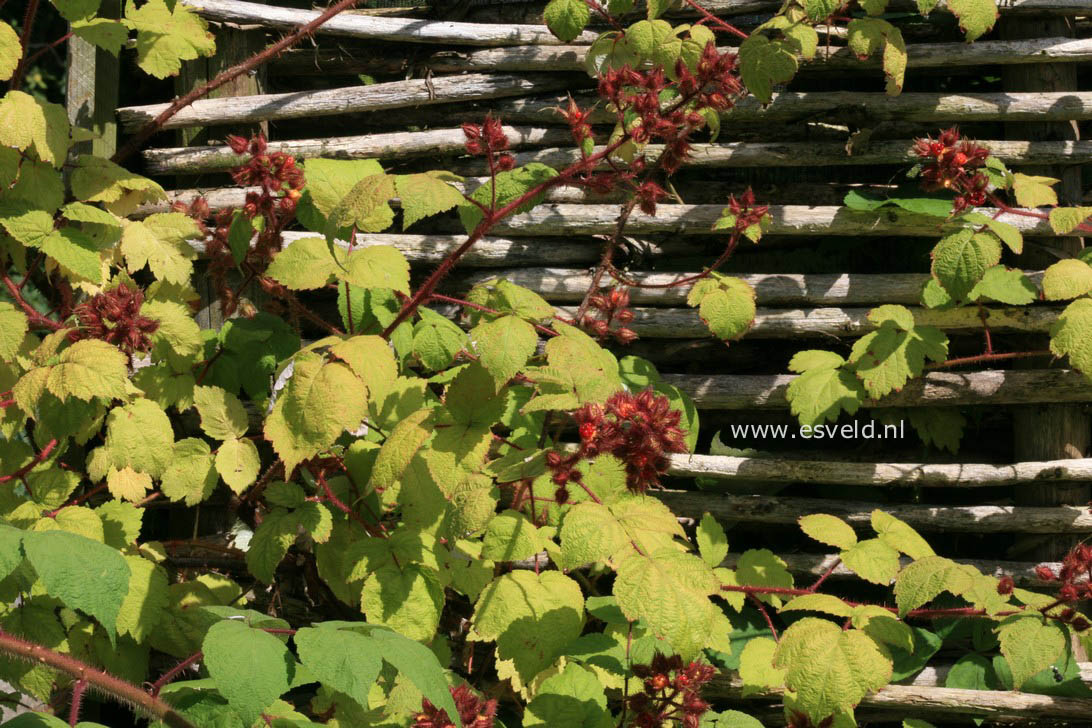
(571, 58)
(773, 323)
(829, 472)
(1022, 572)
(569, 219)
(404, 145)
(394, 145)
(973, 519)
(1017, 386)
(353, 99)
(861, 107)
(568, 285)
(405, 30)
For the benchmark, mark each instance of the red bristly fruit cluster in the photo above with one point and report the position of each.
(114, 317)
(952, 163)
(610, 308)
(640, 430)
(275, 173)
(1075, 576)
(473, 711)
(489, 140)
(746, 212)
(672, 693)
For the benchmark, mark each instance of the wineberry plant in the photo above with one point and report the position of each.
(454, 524)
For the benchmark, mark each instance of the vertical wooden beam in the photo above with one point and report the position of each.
(92, 93)
(1055, 431)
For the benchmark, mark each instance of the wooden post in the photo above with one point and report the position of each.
(1055, 431)
(92, 93)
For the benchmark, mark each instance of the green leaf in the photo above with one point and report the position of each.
(364, 207)
(110, 35)
(593, 532)
(972, 672)
(425, 195)
(961, 259)
(976, 17)
(510, 537)
(869, 35)
(566, 18)
(30, 124)
(831, 530)
(407, 599)
(418, 664)
(510, 186)
(167, 35)
(222, 414)
(328, 182)
(1031, 642)
(398, 449)
(669, 590)
(885, 359)
(1066, 219)
(304, 265)
(436, 340)
(191, 476)
(764, 63)
(139, 435)
(13, 328)
(96, 179)
(504, 345)
(899, 535)
(340, 659)
(925, 578)
(238, 463)
(761, 567)
(756, 668)
(249, 667)
(371, 359)
(829, 668)
(270, 543)
(725, 304)
(825, 603)
(1071, 335)
(11, 50)
(873, 560)
(712, 543)
(1030, 190)
(1066, 279)
(574, 698)
(177, 330)
(377, 266)
(1009, 234)
(729, 719)
(941, 427)
(146, 601)
(84, 574)
(160, 243)
(818, 10)
(824, 388)
(1005, 285)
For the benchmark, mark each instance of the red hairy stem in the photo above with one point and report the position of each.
(77, 501)
(980, 358)
(227, 76)
(487, 223)
(174, 672)
(34, 318)
(77, 699)
(823, 577)
(484, 309)
(24, 43)
(605, 261)
(717, 22)
(115, 687)
(31, 268)
(336, 502)
(765, 615)
(1005, 207)
(38, 460)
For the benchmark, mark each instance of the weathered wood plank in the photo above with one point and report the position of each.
(393, 145)
(1022, 572)
(568, 285)
(353, 99)
(404, 145)
(569, 219)
(1032, 386)
(972, 519)
(941, 475)
(770, 323)
(405, 30)
(1005, 7)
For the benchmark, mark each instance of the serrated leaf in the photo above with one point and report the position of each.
(593, 532)
(831, 530)
(328, 182)
(11, 50)
(27, 123)
(756, 668)
(160, 243)
(873, 560)
(712, 542)
(961, 259)
(869, 35)
(1005, 285)
(566, 18)
(96, 179)
(976, 17)
(899, 535)
(108, 34)
(167, 35)
(377, 266)
(191, 476)
(1030, 643)
(146, 601)
(1031, 190)
(128, 484)
(1071, 335)
(763, 63)
(510, 186)
(504, 345)
(177, 329)
(573, 698)
(436, 340)
(364, 207)
(222, 414)
(238, 464)
(304, 265)
(825, 603)
(425, 195)
(510, 537)
(725, 304)
(761, 567)
(1066, 279)
(941, 427)
(249, 667)
(823, 393)
(341, 659)
(13, 329)
(1065, 219)
(139, 435)
(239, 235)
(371, 359)
(270, 543)
(84, 574)
(885, 360)
(924, 579)
(407, 599)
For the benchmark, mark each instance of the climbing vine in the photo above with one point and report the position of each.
(456, 523)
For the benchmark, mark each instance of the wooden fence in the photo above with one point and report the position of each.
(1016, 483)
